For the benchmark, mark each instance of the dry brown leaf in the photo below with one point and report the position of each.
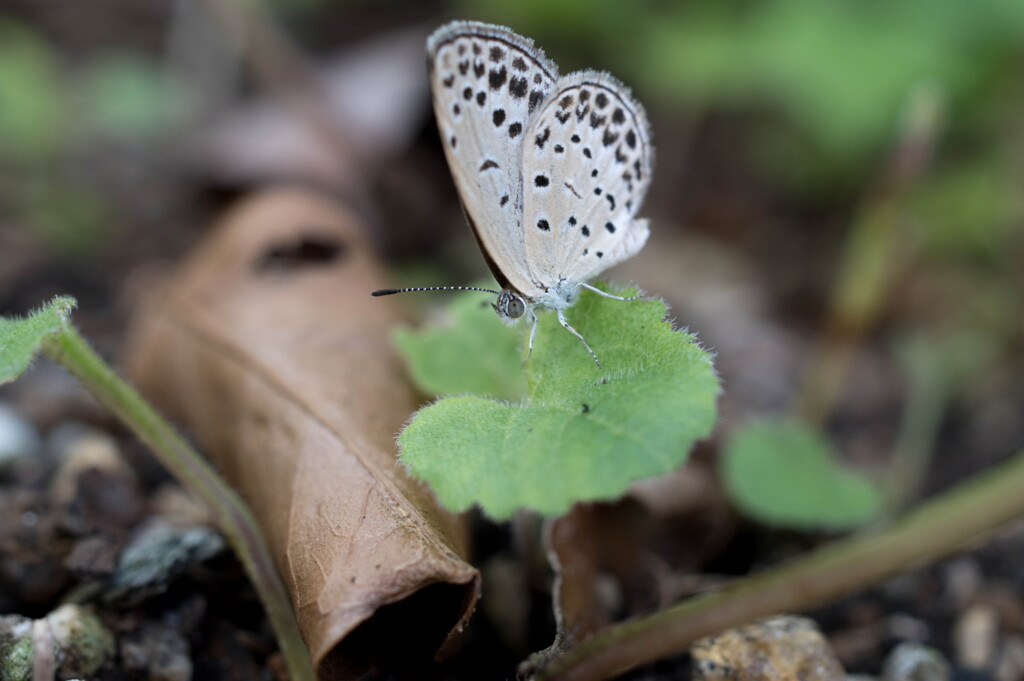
(269, 349)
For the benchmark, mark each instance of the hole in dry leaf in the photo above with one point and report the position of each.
(401, 635)
(303, 251)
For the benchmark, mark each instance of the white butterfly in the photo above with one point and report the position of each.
(550, 170)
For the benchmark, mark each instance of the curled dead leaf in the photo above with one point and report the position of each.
(268, 348)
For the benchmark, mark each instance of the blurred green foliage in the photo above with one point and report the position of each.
(52, 113)
(32, 123)
(784, 473)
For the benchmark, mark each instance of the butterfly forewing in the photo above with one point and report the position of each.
(586, 168)
(488, 83)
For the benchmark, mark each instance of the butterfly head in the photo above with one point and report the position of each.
(510, 306)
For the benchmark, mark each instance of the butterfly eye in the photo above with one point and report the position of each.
(515, 308)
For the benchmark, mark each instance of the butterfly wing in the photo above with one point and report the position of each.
(487, 85)
(586, 168)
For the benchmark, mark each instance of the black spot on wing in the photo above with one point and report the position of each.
(518, 64)
(601, 101)
(497, 54)
(479, 69)
(449, 80)
(631, 139)
(467, 93)
(541, 180)
(610, 227)
(517, 87)
(543, 226)
(559, 148)
(514, 129)
(609, 138)
(585, 230)
(618, 117)
(597, 121)
(496, 78)
(542, 138)
(498, 116)
(481, 98)
(489, 163)
(536, 96)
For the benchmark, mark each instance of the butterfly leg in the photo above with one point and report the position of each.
(565, 324)
(608, 295)
(533, 332)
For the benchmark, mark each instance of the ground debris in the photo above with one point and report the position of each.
(784, 648)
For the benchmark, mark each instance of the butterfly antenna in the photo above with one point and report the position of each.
(391, 291)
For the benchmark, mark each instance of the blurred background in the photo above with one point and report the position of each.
(837, 206)
(837, 189)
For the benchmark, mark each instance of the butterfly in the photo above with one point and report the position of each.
(550, 169)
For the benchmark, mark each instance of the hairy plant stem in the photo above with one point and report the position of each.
(230, 513)
(936, 529)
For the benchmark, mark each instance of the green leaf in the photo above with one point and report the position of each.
(784, 473)
(21, 339)
(579, 432)
(437, 357)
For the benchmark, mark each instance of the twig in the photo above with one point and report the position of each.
(933, 531)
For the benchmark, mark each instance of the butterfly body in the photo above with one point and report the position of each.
(550, 169)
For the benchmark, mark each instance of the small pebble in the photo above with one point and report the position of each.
(81, 643)
(975, 637)
(962, 581)
(83, 451)
(158, 652)
(18, 439)
(1010, 663)
(15, 648)
(155, 556)
(785, 648)
(912, 661)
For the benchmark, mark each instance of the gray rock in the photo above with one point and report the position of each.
(154, 557)
(785, 648)
(912, 661)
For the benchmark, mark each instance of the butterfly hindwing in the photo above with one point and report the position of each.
(488, 83)
(587, 161)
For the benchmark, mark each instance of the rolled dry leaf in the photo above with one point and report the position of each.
(268, 349)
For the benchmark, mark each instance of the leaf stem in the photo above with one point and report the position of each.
(936, 529)
(230, 513)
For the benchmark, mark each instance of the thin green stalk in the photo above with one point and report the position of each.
(231, 514)
(936, 529)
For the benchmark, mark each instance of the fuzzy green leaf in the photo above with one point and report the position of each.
(21, 339)
(578, 432)
(784, 473)
(472, 352)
